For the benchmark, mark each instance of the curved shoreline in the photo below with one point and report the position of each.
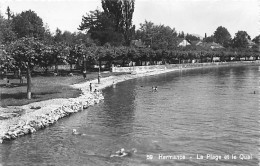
(52, 110)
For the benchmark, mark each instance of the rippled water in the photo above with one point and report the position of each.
(194, 113)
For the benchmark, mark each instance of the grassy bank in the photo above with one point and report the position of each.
(43, 88)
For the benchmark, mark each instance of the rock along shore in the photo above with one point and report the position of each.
(42, 114)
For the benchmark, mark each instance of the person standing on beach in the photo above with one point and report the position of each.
(90, 87)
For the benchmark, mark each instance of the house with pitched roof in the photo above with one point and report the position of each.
(183, 42)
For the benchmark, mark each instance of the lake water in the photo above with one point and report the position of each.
(198, 114)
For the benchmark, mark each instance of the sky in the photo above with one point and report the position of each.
(191, 16)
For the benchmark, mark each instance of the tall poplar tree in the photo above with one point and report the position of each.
(122, 12)
(9, 13)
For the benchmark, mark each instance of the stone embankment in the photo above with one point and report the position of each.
(39, 115)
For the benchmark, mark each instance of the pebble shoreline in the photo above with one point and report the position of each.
(52, 110)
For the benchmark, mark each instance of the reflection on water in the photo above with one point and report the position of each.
(195, 112)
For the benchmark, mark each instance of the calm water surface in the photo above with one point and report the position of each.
(194, 113)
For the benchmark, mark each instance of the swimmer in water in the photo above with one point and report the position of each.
(74, 132)
(153, 88)
(123, 153)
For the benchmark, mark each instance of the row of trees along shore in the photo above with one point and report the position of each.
(27, 52)
(106, 37)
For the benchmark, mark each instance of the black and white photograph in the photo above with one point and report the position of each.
(129, 82)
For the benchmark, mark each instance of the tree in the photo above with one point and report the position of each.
(6, 33)
(241, 39)
(158, 36)
(6, 60)
(257, 39)
(9, 13)
(28, 24)
(122, 12)
(82, 52)
(190, 37)
(72, 58)
(146, 32)
(58, 36)
(128, 28)
(48, 37)
(83, 38)
(26, 52)
(209, 39)
(133, 54)
(165, 38)
(68, 37)
(47, 57)
(101, 28)
(60, 54)
(222, 36)
(93, 21)
(122, 55)
(181, 35)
